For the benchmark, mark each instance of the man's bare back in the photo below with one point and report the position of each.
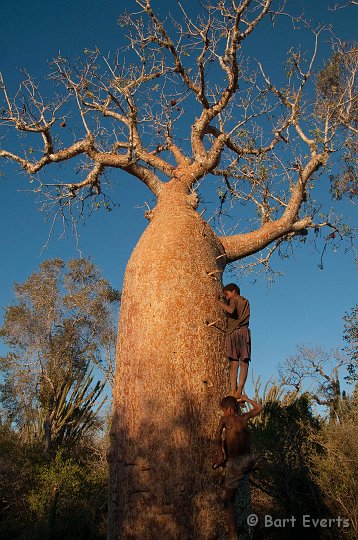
(234, 451)
(234, 425)
(236, 435)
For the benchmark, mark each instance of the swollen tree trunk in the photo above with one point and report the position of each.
(170, 378)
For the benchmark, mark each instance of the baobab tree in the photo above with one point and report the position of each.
(183, 105)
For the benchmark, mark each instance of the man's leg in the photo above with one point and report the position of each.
(229, 502)
(242, 378)
(234, 368)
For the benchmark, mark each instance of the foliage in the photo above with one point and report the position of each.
(307, 464)
(65, 487)
(52, 451)
(281, 441)
(60, 328)
(15, 474)
(335, 468)
(351, 336)
(75, 409)
(301, 470)
(335, 86)
(60, 497)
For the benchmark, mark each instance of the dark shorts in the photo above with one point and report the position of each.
(236, 468)
(238, 344)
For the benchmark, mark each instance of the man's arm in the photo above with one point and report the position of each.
(256, 408)
(220, 457)
(228, 308)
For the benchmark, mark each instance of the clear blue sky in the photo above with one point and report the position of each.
(306, 305)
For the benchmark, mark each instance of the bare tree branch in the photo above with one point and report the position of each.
(266, 139)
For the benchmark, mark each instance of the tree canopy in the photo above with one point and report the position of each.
(183, 94)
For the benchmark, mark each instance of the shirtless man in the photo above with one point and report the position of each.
(235, 453)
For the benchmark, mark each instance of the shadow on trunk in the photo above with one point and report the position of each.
(164, 479)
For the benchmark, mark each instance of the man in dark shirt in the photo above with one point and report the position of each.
(238, 337)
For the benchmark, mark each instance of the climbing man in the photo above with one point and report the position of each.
(234, 452)
(238, 337)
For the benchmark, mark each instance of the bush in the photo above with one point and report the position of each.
(51, 497)
(335, 467)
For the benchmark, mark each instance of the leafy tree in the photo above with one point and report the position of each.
(187, 107)
(58, 495)
(65, 496)
(59, 329)
(351, 336)
(331, 85)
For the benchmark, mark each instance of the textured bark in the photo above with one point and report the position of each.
(170, 377)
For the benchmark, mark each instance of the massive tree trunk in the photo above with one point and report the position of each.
(170, 377)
